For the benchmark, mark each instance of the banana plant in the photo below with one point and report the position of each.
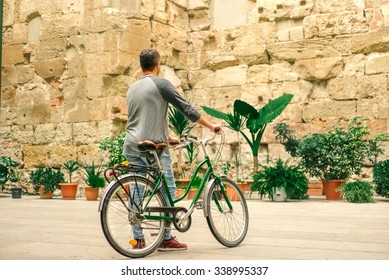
(251, 123)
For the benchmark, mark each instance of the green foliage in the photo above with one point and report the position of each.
(178, 123)
(190, 153)
(246, 117)
(115, 148)
(282, 174)
(357, 191)
(48, 178)
(93, 175)
(381, 178)
(226, 167)
(196, 182)
(71, 166)
(7, 170)
(336, 154)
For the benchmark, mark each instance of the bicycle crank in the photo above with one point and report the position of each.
(181, 223)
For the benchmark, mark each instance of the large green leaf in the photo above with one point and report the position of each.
(245, 109)
(274, 108)
(270, 111)
(215, 113)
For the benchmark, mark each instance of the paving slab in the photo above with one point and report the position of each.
(39, 229)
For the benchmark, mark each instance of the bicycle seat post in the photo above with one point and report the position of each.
(155, 154)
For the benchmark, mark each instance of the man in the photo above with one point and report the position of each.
(147, 101)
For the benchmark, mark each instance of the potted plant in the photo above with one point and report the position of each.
(280, 181)
(94, 180)
(7, 170)
(114, 146)
(69, 189)
(17, 189)
(331, 156)
(249, 122)
(357, 191)
(46, 180)
(381, 178)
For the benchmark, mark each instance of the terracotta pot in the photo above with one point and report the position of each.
(183, 182)
(91, 193)
(47, 195)
(231, 193)
(330, 189)
(180, 192)
(192, 193)
(69, 190)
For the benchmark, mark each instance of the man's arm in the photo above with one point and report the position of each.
(215, 128)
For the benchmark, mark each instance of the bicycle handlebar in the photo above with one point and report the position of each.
(187, 140)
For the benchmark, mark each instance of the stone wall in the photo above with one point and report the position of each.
(67, 65)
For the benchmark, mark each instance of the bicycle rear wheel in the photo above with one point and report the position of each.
(228, 225)
(123, 220)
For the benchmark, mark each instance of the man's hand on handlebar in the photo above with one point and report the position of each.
(173, 141)
(217, 128)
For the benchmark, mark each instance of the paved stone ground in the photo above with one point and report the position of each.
(35, 229)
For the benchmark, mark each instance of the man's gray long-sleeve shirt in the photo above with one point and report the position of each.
(147, 101)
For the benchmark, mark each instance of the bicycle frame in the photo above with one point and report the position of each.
(161, 182)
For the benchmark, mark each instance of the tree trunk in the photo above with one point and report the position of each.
(255, 161)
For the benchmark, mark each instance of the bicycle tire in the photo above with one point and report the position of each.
(118, 214)
(229, 227)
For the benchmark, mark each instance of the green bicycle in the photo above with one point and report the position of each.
(136, 201)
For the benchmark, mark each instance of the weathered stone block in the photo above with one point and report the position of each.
(12, 75)
(231, 76)
(64, 134)
(357, 87)
(345, 22)
(20, 33)
(318, 68)
(12, 55)
(296, 33)
(61, 154)
(295, 50)
(375, 41)
(300, 89)
(24, 134)
(354, 65)
(50, 69)
(44, 134)
(36, 156)
(257, 94)
(133, 43)
(377, 63)
(282, 72)
(251, 55)
(84, 133)
(77, 111)
(199, 20)
(51, 48)
(329, 110)
(8, 12)
(119, 62)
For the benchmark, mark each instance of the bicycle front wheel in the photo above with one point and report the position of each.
(227, 220)
(128, 228)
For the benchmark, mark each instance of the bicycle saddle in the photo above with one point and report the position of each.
(148, 145)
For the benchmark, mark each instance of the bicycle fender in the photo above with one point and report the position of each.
(109, 186)
(207, 188)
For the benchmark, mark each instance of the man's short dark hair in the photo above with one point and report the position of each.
(149, 58)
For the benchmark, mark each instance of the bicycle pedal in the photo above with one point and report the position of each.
(199, 205)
